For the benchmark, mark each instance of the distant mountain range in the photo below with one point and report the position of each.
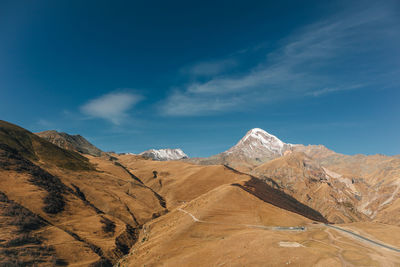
(337, 185)
(79, 144)
(61, 204)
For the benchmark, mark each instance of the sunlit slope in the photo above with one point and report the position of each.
(180, 182)
(70, 210)
(229, 226)
(32, 147)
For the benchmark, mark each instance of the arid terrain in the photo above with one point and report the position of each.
(199, 133)
(343, 188)
(218, 222)
(296, 206)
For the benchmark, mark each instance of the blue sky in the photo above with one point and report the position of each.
(134, 75)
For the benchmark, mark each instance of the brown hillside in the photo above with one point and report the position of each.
(112, 210)
(182, 182)
(232, 227)
(32, 147)
(83, 216)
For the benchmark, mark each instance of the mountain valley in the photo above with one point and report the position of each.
(262, 202)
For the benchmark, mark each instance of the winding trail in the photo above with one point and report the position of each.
(275, 228)
(191, 215)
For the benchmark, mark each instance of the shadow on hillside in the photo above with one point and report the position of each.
(266, 193)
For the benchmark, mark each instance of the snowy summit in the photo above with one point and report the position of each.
(164, 154)
(259, 143)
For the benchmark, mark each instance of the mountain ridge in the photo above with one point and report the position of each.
(70, 142)
(255, 147)
(116, 210)
(309, 173)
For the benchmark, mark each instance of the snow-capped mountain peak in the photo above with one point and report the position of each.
(258, 143)
(266, 139)
(164, 154)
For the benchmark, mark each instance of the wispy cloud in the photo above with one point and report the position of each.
(328, 90)
(187, 104)
(112, 106)
(207, 68)
(322, 58)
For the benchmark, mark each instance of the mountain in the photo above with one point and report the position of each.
(16, 140)
(70, 142)
(219, 216)
(343, 188)
(256, 147)
(374, 179)
(59, 208)
(183, 182)
(258, 144)
(295, 173)
(164, 154)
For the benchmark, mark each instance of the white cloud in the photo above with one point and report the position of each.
(112, 107)
(325, 57)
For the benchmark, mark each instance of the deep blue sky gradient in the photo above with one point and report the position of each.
(199, 74)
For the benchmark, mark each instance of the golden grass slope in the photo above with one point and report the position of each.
(91, 212)
(232, 223)
(181, 182)
(235, 228)
(99, 211)
(37, 149)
